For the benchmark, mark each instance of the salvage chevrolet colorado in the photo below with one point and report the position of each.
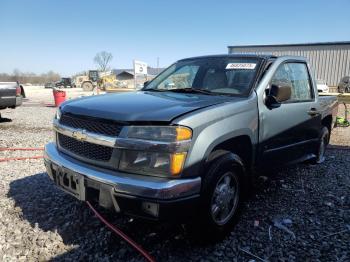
(184, 146)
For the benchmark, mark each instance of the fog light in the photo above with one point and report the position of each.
(151, 208)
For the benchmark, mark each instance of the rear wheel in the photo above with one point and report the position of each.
(87, 86)
(107, 86)
(341, 89)
(322, 145)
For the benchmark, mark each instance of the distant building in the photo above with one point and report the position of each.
(127, 75)
(152, 72)
(329, 60)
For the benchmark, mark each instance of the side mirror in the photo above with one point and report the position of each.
(278, 93)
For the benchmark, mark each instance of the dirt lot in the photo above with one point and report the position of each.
(39, 222)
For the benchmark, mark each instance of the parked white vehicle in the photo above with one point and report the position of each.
(322, 86)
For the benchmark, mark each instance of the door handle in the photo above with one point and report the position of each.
(313, 112)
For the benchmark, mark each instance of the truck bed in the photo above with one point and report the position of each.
(342, 98)
(328, 105)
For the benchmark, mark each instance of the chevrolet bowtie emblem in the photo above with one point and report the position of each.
(79, 135)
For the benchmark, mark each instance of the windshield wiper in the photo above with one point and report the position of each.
(155, 90)
(191, 90)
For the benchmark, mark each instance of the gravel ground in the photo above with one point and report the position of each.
(299, 213)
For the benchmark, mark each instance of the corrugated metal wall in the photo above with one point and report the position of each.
(329, 62)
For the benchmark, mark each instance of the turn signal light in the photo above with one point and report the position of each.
(183, 133)
(177, 163)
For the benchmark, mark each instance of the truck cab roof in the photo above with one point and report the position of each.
(231, 56)
(237, 55)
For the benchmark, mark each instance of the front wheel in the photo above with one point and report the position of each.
(225, 197)
(87, 86)
(220, 200)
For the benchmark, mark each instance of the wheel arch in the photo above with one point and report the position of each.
(241, 148)
(86, 81)
(22, 91)
(327, 122)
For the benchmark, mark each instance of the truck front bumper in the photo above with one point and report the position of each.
(137, 195)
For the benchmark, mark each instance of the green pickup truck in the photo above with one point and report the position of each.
(185, 147)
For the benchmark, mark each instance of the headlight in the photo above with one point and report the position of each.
(58, 114)
(160, 133)
(158, 163)
(152, 163)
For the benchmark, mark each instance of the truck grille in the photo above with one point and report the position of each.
(85, 149)
(91, 125)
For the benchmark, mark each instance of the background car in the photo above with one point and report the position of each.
(344, 85)
(65, 82)
(322, 86)
(49, 85)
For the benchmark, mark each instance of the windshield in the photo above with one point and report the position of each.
(320, 82)
(221, 75)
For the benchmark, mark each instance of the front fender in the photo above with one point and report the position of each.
(208, 140)
(217, 125)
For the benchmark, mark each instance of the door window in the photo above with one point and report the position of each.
(297, 76)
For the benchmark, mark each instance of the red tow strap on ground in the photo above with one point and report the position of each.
(20, 149)
(110, 226)
(122, 235)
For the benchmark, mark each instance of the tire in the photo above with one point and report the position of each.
(23, 94)
(106, 86)
(87, 86)
(341, 89)
(322, 146)
(220, 200)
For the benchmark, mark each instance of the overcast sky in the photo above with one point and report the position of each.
(64, 35)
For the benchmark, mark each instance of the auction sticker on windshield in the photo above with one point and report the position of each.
(241, 66)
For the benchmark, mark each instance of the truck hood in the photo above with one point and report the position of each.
(141, 105)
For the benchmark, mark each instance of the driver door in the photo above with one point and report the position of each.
(289, 132)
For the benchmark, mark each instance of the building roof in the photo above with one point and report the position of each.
(150, 70)
(123, 71)
(297, 44)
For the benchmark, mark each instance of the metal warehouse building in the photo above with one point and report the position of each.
(330, 60)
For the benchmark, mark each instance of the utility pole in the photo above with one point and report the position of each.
(157, 65)
(134, 74)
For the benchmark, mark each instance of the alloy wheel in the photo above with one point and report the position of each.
(225, 198)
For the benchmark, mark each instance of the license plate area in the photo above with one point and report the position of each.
(70, 181)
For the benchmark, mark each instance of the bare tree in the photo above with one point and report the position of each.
(29, 77)
(17, 75)
(102, 59)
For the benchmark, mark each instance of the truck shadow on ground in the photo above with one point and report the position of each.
(44, 206)
(287, 192)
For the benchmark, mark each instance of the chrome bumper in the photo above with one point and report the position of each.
(124, 183)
